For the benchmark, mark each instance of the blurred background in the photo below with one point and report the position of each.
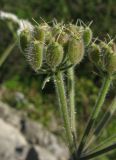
(20, 87)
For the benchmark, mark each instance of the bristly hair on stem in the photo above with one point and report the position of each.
(58, 78)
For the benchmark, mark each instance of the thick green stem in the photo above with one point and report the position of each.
(58, 78)
(96, 110)
(71, 94)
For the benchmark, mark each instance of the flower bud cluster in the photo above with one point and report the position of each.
(103, 55)
(51, 48)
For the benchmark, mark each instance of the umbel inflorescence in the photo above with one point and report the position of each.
(56, 47)
(53, 49)
(103, 55)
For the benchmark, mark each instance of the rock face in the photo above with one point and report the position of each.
(24, 139)
(36, 134)
(39, 153)
(12, 144)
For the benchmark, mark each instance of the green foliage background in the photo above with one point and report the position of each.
(17, 76)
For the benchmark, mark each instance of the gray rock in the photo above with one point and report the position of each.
(39, 153)
(13, 146)
(10, 115)
(37, 134)
(34, 132)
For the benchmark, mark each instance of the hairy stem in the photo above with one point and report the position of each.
(101, 97)
(71, 95)
(58, 78)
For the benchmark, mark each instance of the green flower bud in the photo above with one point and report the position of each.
(25, 38)
(72, 28)
(75, 51)
(94, 54)
(56, 29)
(39, 33)
(34, 55)
(111, 61)
(75, 31)
(63, 38)
(48, 36)
(111, 67)
(107, 49)
(87, 36)
(104, 56)
(43, 33)
(107, 53)
(54, 54)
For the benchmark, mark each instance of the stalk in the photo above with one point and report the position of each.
(100, 152)
(101, 98)
(58, 78)
(71, 95)
(103, 122)
(103, 144)
(7, 53)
